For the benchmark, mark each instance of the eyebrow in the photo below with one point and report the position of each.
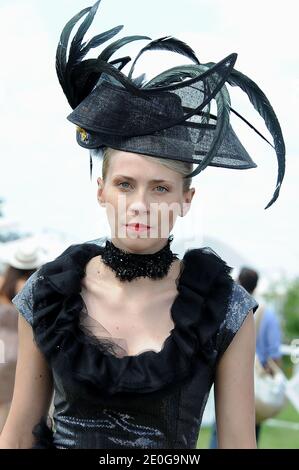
(151, 181)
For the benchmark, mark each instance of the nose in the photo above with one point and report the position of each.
(139, 203)
(139, 207)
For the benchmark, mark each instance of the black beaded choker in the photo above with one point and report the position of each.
(128, 266)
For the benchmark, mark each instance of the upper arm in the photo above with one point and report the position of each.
(234, 390)
(234, 379)
(33, 386)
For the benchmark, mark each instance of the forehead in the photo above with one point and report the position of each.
(135, 167)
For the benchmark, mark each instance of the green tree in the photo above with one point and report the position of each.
(291, 310)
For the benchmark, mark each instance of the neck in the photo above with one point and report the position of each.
(130, 265)
(139, 250)
(139, 285)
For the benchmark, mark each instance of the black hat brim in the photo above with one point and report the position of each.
(231, 153)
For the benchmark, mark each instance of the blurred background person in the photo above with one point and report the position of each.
(20, 264)
(268, 335)
(268, 330)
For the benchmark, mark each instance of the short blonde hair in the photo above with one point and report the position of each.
(184, 168)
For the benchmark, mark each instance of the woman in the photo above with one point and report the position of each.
(128, 336)
(21, 264)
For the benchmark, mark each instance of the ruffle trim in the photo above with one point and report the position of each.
(87, 367)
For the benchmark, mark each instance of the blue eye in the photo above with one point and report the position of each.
(166, 190)
(126, 182)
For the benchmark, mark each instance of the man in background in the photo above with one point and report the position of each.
(268, 335)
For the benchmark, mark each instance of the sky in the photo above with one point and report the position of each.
(44, 176)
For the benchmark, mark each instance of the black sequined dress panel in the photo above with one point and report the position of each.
(148, 422)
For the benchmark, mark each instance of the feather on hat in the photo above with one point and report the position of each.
(168, 116)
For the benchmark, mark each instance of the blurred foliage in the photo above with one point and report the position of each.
(287, 366)
(271, 437)
(291, 310)
(284, 295)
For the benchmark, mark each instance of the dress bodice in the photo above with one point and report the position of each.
(150, 400)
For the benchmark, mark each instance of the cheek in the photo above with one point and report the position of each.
(111, 196)
(116, 206)
(170, 206)
(167, 213)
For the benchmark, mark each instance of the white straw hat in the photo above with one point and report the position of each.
(27, 255)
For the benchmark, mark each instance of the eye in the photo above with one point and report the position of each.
(126, 182)
(166, 190)
(123, 182)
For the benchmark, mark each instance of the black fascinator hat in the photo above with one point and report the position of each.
(168, 116)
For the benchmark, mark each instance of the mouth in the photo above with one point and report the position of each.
(138, 227)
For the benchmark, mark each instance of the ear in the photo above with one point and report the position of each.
(100, 191)
(187, 199)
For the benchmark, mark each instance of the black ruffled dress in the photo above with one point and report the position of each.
(153, 400)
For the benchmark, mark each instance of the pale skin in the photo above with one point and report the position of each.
(6, 386)
(234, 377)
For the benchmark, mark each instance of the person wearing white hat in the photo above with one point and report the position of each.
(21, 263)
(28, 255)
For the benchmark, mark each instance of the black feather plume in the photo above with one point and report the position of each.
(262, 105)
(170, 76)
(167, 43)
(178, 74)
(94, 68)
(90, 166)
(140, 80)
(112, 48)
(68, 69)
(121, 62)
(99, 39)
(76, 44)
(61, 53)
(78, 77)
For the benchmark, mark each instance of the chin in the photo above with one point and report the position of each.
(138, 242)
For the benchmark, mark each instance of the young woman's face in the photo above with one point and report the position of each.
(138, 191)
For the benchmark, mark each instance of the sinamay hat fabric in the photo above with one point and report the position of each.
(129, 130)
(168, 116)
